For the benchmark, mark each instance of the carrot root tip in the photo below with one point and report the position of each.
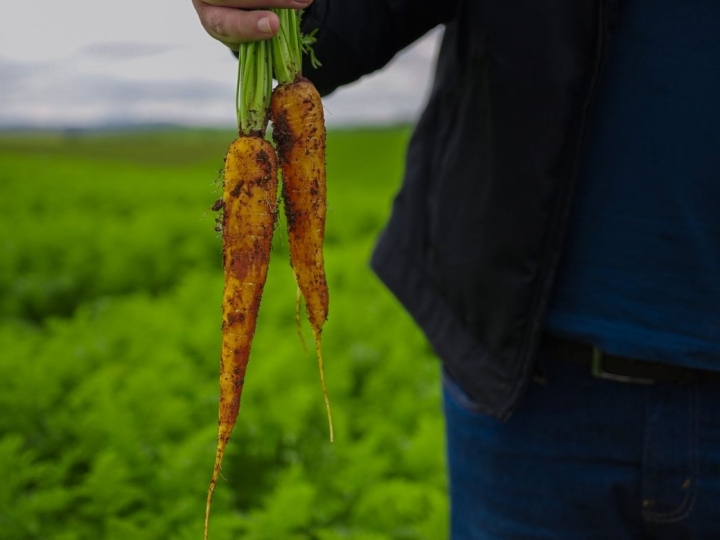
(322, 384)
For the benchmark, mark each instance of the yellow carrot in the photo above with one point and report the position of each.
(299, 132)
(249, 214)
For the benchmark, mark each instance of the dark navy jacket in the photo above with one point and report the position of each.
(476, 232)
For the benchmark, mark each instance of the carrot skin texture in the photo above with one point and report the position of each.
(299, 133)
(249, 216)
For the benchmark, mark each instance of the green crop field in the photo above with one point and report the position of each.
(110, 289)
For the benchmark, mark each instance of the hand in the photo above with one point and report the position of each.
(236, 21)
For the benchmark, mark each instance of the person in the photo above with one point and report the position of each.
(557, 238)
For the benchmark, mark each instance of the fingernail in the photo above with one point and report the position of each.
(264, 25)
(302, 3)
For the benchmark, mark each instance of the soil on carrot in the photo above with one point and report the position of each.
(291, 214)
(282, 135)
(263, 158)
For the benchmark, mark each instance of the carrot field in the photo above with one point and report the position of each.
(110, 291)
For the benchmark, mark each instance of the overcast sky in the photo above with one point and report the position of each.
(85, 63)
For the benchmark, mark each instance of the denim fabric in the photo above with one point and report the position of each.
(585, 458)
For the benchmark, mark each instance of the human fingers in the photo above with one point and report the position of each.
(236, 21)
(259, 4)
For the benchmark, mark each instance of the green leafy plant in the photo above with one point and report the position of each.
(109, 337)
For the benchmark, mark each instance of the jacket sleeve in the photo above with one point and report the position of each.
(357, 37)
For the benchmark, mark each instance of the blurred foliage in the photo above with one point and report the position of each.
(110, 287)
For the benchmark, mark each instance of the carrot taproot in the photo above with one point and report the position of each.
(249, 206)
(296, 112)
(299, 134)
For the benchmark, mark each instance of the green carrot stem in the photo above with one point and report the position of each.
(254, 86)
(287, 47)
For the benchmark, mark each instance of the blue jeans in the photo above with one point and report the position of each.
(586, 458)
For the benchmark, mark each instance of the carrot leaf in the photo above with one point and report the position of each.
(307, 42)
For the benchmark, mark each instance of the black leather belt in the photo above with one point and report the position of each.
(620, 369)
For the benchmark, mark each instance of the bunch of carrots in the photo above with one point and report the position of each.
(249, 207)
